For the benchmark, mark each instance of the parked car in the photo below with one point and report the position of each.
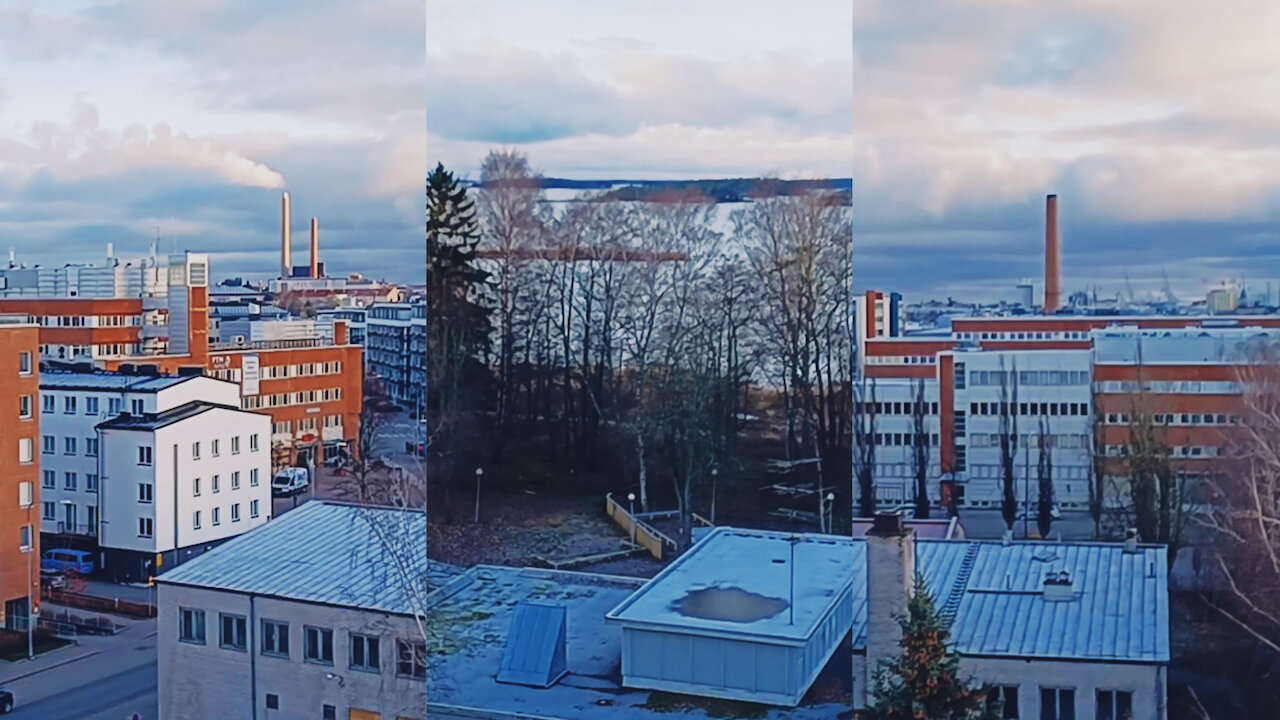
(52, 579)
(6, 700)
(78, 561)
(290, 481)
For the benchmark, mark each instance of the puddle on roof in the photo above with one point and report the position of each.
(731, 604)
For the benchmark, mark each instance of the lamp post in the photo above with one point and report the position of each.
(715, 472)
(791, 566)
(479, 474)
(831, 512)
(31, 550)
(631, 509)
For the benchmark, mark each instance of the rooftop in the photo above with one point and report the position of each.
(370, 558)
(108, 381)
(155, 421)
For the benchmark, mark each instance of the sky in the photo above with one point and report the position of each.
(1154, 121)
(121, 121)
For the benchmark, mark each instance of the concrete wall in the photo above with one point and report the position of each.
(207, 681)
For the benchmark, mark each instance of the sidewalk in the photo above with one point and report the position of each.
(85, 647)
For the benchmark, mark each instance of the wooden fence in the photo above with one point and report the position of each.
(101, 604)
(643, 534)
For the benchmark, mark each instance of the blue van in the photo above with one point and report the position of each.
(78, 561)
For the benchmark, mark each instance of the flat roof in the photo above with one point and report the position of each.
(110, 381)
(323, 552)
(468, 621)
(741, 582)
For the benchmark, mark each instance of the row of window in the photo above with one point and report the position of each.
(215, 515)
(302, 397)
(1035, 378)
(364, 651)
(286, 427)
(1178, 419)
(146, 454)
(1025, 335)
(70, 405)
(903, 439)
(215, 484)
(49, 445)
(902, 359)
(70, 481)
(1022, 467)
(1050, 409)
(1058, 703)
(893, 408)
(1177, 451)
(1032, 441)
(1193, 387)
(85, 320)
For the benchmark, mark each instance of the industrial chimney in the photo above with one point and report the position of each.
(1052, 257)
(286, 240)
(315, 248)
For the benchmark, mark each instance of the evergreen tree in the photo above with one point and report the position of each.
(1044, 469)
(458, 329)
(925, 684)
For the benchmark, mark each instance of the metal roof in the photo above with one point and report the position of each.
(108, 381)
(154, 421)
(369, 558)
(535, 652)
(1120, 608)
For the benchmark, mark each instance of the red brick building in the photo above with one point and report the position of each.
(19, 470)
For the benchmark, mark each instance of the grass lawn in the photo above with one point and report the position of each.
(13, 644)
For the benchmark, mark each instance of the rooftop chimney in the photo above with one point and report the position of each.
(315, 248)
(1058, 587)
(1052, 257)
(286, 240)
(891, 571)
(1131, 540)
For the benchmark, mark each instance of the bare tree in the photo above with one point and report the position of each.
(864, 443)
(1044, 479)
(1008, 443)
(920, 452)
(1097, 467)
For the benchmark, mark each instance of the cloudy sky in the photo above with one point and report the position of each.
(1153, 120)
(120, 117)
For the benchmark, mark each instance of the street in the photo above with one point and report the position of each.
(111, 697)
(987, 524)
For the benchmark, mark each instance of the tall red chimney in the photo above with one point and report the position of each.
(1052, 257)
(315, 248)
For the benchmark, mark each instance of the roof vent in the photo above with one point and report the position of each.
(1131, 540)
(535, 653)
(1058, 586)
(889, 523)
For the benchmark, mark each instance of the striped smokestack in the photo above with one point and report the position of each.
(1052, 257)
(286, 240)
(315, 248)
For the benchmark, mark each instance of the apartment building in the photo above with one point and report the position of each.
(354, 317)
(1081, 378)
(19, 472)
(155, 312)
(303, 618)
(396, 344)
(178, 481)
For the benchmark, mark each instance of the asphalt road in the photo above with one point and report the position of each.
(112, 697)
(989, 525)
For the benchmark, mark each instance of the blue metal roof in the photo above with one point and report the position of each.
(323, 552)
(1120, 609)
(535, 652)
(104, 380)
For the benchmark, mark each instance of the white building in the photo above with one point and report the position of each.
(304, 618)
(176, 482)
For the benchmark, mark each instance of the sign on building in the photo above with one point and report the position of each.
(248, 375)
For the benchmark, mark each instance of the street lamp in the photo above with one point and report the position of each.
(631, 509)
(479, 474)
(714, 472)
(831, 511)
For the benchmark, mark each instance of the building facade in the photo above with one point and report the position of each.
(396, 344)
(19, 472)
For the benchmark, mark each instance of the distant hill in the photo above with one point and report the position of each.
(724, 190)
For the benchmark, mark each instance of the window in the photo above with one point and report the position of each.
(275, 638)
(191, 625)
(195, 451)
(69, 446)
(114, 406)
(215, 483)
(195, 520)
(195, 486)
(91, 405)
(1114, 705)
(24, 538)
(144, 454)
(959, 376)
(411, 659)
(364, 653)
(69, 405)
(232, 631)
(47, 403)
(50, 479)
(48, 444)
(136, 406)
(50, 510)
(69, 481)
(273, 701)
(26, 495)
(235, 480)
(253, 477)
(319, 645)
(253, 443)
(24, 406)
(216, 520)
(235, 445)
(1057, 704)
(1007, 695)
(145, 527)
(214, 447)
(144, 492)
(253, 508)
(330, 712)
(26, 450)
(24, 363)
(91, 447)
(235, 512)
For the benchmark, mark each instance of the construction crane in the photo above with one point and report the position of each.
(1168, 291)
(1128, 286)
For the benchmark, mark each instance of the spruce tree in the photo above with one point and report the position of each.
(924, 683)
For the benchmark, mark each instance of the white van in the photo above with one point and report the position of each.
(290, 481)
